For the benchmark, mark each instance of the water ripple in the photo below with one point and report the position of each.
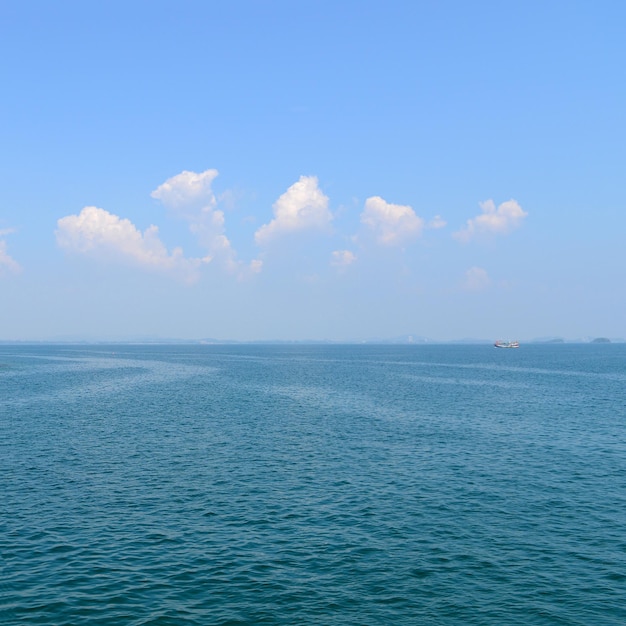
(247, 486)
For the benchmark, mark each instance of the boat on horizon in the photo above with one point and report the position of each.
(506, 344)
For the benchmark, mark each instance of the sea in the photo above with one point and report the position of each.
(313, 484)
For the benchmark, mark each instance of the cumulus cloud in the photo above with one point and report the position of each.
(209, 229)
(302, 207)
(98, 233)
(188, 191)
(190, 196)
(342, 258)
(392, 224)
(476, 279)
(495, 221)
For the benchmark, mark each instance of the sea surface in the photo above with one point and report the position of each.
(331, 485)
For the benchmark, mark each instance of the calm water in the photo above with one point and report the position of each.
(331, 485)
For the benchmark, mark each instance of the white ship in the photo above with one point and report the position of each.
(506, 344)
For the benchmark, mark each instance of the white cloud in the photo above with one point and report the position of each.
(7, 263)
(190, 196)
(392, 224)
(342, 258)
(209, 229)
(302, 207)
(188, 191)
(256, 265)
(437, 222)
(476, 279)
(98, 233)
(497, 221)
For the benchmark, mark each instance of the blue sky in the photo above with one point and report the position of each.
(312, 170)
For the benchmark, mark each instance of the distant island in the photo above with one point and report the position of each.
(601, 340)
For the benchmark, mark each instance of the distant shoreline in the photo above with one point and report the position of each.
(296, 342)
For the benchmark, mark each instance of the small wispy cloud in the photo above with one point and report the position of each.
(391, 224)
(7, 263)
(437, 222)
(342, 258)
(493, 221)
(303, 207)
(98, 233)
(476, 279)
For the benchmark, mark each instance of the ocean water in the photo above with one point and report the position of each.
(332, 485)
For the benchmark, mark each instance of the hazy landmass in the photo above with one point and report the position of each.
(401, 340)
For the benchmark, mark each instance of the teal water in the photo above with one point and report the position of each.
(335, 485)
